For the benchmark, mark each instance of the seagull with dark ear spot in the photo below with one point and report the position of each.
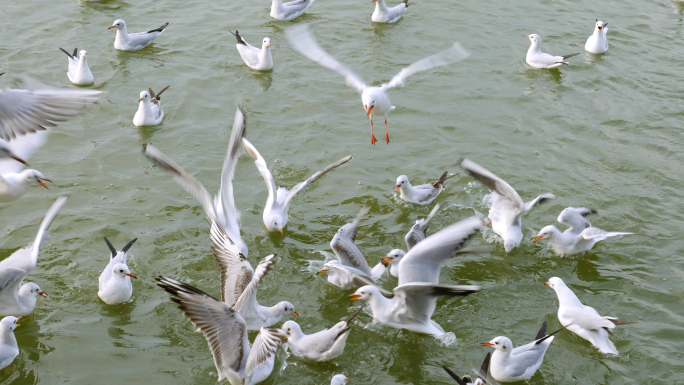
(597, 43)
(149, 111)
(115, 280)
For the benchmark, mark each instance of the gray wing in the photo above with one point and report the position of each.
(263, 170)
(576, 218)
(538, 200)
(591, 235)
(344, 247)
(24, 147)
(247, 299)
(316, 176)
(10, 280)
(423, 262)
(455, 53)
(223, 327)
(265, 346)
(417, 232)
(417, 301)
(24, 111)
(493, 183)
(293, 7)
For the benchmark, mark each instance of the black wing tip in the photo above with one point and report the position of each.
(111, 247)
(571, 55)
(67, 53)
(128, 245)
(159, 29)
(239, 38)
(485, 367)
(177, 288)
(454, 375)
(542, 332)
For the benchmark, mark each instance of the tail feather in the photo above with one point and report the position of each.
(68, 54)
(571, 55)
(239, 38)
(619, 322)
(160, 29)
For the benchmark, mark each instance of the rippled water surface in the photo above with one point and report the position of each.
(603, 132)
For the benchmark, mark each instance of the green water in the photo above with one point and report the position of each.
(603, 132)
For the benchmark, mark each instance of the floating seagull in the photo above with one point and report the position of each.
(415, 298)
(507, 206)
(538, 59)
(598, 42)
(584, 320)
(290, 10)
(384, 14)
(255, 58)
(375, 100)
(115, 281)
(481, 377)
(415, 235)
(149, 111)
(509, 364)
(422, 194)
(320, 346)
(351, 269)
(15, 298)
(133, 41)
(226, 333)
(77, 69)
(339, 379)
(26, 111)
(14, 180)
(9, 349)
(279, 199)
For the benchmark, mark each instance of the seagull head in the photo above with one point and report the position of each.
(36, 176)
(546, 233)
(9, 322)
(145, 96)
(118, 24)
(554, 283)
(32, 290)
(339, 379)
(534, 38)
(392, 257)
(368, 100)
(83, 54)
(266, 42)
(286, 307)
(275, 223)
(509, 245)
(600, 25)
(291, 329)
(500, 343)
(402, 181)
(122, 270)
(365, 292)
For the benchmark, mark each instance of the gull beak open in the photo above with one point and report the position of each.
(18, 159)
(386, 260)
(537, 238)
(42, 293)
(18, 318)
(132, 275)
(40, 182)
(397, 187)
(354, 297)
(322, 271)
(487, 343)
(294, 314)
(111, 27)
(369, 110)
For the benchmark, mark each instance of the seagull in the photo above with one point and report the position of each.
(226, 333)
(14, 180)
(149, 111)
(538, 59)
(133, 41)
(415, 235)
(15, 298)
(375, 100)
(598, 42)
(26, 111)
(481, 377)
(575, 218)
(290, 10)
(510, 365)
(339, 379)
(9, 349)
(415, 298)
(77, 69)
(384, 14)
(422, 194)
(320, 346)
(507, 206)
(115, 281)
(351, 269)
(255, 58)
(584, 320)
(279, 199)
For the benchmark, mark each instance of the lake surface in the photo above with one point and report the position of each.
(603, 132)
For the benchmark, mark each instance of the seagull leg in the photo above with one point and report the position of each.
(386, 134)
(373, 139)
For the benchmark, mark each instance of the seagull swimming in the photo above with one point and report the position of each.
(279, 199)
(149, 111)
(78, 71)
(226, 333)
(255, 58)
(339, 379)
(17, 299)
(584, 320)
(415, 298)
(507, 206)
(385, 14)
(510, 364)
(115, 281)
(290, 10)
(125, 41)
(422, 194)
(9, 349)
(375, 100)
(481, 377)
(598, 42)
(320, 346)
(538, 59)
(14, 180)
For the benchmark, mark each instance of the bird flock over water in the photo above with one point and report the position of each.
(26, 119)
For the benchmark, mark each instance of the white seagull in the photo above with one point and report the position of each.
(510, 364)
(375, 100)
(9, 349)
(279, 198)
(290, 10)
(226, 333)
(14, 180)
(149, 111)
(538, 59)
(125, 41)
(320, 346)
(339, 379)
(15, 298)
(385, 14)
(584, 320)
(598, 42)
(415, 299)
(422, 194)
(507, 206)
(78, 71)
(255, 58)
(115, 281)
(481, 376)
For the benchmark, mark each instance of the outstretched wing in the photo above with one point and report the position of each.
(455, 53)
(576, 218)
(263, 170)
(265, 346)
(246, 302)
(417, 232)
(417, 301)
(316, 176)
